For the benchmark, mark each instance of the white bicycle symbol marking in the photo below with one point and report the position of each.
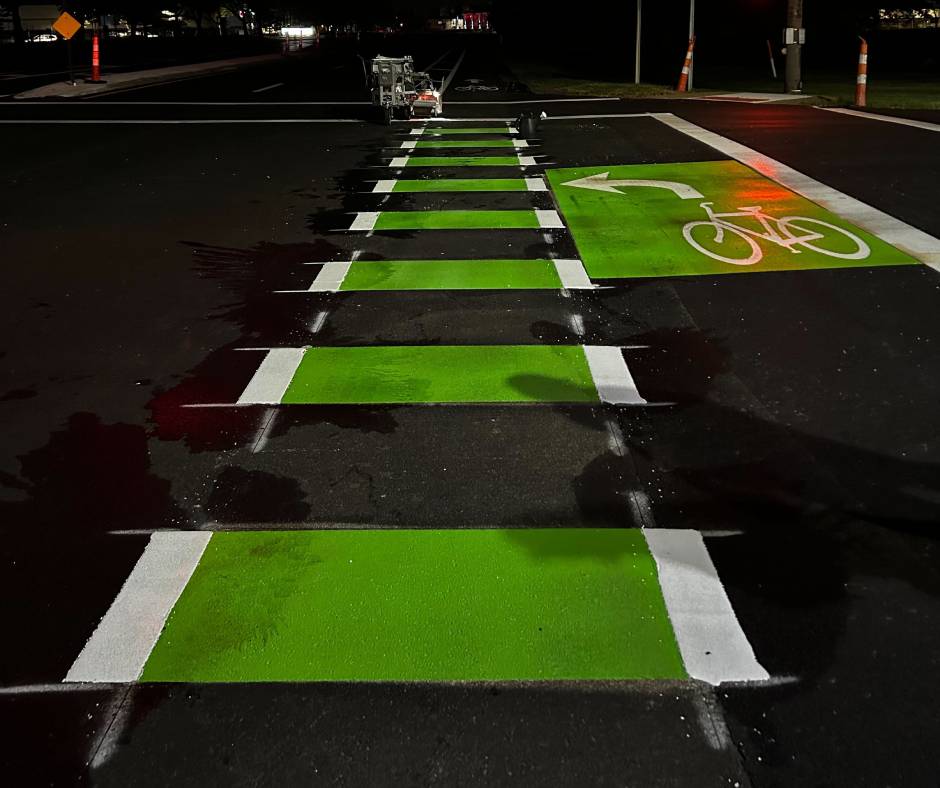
(788, 232)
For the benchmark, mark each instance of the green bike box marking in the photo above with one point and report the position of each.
(441, 374)
(406, 605)
(623, 230)
(453, 275)
(444, 131)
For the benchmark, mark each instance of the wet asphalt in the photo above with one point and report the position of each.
(142, 259)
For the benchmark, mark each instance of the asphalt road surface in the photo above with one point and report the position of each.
(447, 453)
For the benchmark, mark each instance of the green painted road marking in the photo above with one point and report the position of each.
(648, 220)
(388, 185)
(461, 161)
(422, 144)
(442, 373)
(457, 220)
(400, 605)
(443, 131)
(453, 275)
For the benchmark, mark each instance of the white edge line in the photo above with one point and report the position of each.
(549, 220)
(330, 278)
(536, 185)
(917, 124)
(409, 144)
(365, 220)
(572, 275)
(399, 161)
(527, 161)
(612, 377)
(273, 376)
(893, 231)
(122, 642)
(714, 648)
(384, 186)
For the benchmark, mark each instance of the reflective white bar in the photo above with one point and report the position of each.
(272, 378)
(572, 275)
(611, 375)
(330, 277)
(121, 644)
(549, 220)
(714, 647)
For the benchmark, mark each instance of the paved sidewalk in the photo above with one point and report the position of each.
(150, 76)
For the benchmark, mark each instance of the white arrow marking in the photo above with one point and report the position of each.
(602, 183)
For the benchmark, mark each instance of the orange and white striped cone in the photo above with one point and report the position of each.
(684, 76)
(861, 83)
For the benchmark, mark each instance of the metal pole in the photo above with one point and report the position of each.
(794, 75)
(691, 36)
(639, 27)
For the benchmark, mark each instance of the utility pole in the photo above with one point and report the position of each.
(692, 35)
(794, 41)
(639, 27)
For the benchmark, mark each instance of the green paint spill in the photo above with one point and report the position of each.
(463, 161)
(639, 231)
(457, 220)
(453, 275)
(465, 144)
(449, 605)
(442, 373)
(463, 185)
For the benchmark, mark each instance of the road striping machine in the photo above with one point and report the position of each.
(398, 91)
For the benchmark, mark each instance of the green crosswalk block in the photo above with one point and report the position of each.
(406, 605)
(462, 161)
(465, 144)
(457, 220)
(452, 275)
(442, 373)
(461, 185)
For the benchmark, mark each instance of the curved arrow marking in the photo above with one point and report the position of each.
(602, 183)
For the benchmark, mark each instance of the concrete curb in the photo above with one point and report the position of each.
(152, 76)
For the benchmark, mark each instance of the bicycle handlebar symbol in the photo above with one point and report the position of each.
(789, 232)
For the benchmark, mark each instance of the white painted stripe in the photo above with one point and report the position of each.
(549, 220)
(526, 161)
(909, 239)
(156, 122)
(611, 375)
(273, 376)
(365, 220)
(122, 642)
(572, 275)
(409, 144)
(511, 130)
(714, 648)
(330, 277)
(452, 73)
(385, 186)
(268, 87)
(417, 132)
(917, 124)
(399, 161)
(863, 60)
(862, 79)
(521, 144)
(535, 185)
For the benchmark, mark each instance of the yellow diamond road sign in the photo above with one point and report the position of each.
(66, 25)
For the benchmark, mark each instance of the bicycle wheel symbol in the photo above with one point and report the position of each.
(848, 246)
(725, 244)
